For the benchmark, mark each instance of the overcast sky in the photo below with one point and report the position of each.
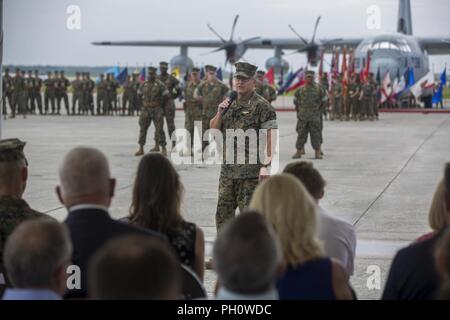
(36, 32)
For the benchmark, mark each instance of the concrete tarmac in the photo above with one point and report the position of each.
(381, 175)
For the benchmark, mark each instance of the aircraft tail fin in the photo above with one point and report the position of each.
(404, 24)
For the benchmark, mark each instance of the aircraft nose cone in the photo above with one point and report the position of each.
(386, 65)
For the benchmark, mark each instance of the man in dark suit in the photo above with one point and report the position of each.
(413, 274)
(86, 189)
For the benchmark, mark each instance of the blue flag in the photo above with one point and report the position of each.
(142, 75)
(122, 76)
(438, 95)
(411, 80)
(114, 70)
(290, 78)
(219, 74)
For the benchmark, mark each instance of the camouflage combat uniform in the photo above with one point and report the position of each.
(13, 210)
(308, 103)
(211, 94)
(90, 95)
(172, 85)
(129, 96)
(61, 93)
(7, 85)
(76, 95)
(49, 94)
(111, 92)
(192, 108)
(266, 91)
(135, 99)
(37, 96)
(84, 101)
(20, 95)
(29, 86)
(101, 97)
(367, 90)
(353, 99)
(336, 100)
(154, 96)
(238, 181)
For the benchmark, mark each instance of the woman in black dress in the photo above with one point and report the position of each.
(156, 202)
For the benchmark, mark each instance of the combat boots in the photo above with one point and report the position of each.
(140, 152)
(155, 148)
(318, 154)
(298, 154)
(302, 151)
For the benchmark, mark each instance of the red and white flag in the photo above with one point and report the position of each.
(386, 88)
(426, 82)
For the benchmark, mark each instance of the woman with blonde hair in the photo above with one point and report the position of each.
(437, 214)
(287, 205)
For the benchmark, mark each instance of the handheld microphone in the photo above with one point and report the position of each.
(232, 96)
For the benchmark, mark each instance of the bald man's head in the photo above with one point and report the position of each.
(85, 178)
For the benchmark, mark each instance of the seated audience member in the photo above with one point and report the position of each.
(442, 261)
(338, 236)
(437, 215)
(413, 275)
(13, 181)
(86, 189)
(289, 208)
(248, 259)
(156, 201)
(37, 255)
(135, 267)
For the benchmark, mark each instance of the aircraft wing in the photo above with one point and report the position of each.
(254, 43)
(435, 45)
(163, 43)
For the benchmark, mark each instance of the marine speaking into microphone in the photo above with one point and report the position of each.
(251, 114)
(231, 97)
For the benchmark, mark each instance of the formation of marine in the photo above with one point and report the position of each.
(153, 100)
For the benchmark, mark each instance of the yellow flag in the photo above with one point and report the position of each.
(176, 72)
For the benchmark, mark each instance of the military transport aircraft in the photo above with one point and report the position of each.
(389, 52)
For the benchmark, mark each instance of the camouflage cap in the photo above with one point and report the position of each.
(209, 67)
(151, 69)
(245, 70)
(163, 64)
(310, 73)
(195, 70)
(11, 150)
(260, 72)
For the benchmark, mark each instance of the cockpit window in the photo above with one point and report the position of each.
(398, 45)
